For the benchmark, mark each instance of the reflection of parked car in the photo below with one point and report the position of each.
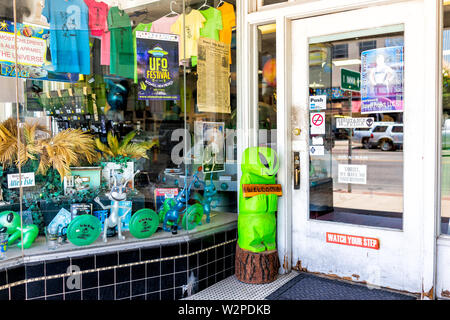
(386, 136)
(362, 135)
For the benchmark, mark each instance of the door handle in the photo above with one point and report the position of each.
(296, 170)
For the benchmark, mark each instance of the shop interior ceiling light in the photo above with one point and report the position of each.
(348, 62)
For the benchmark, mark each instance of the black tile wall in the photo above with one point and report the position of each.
(153, 284)
(161, 280)
(107, 292)
(167, 267)
(89, 280)
(16, 274)
(84, 263)
(123, 290)
(138, 272)
(106, 277)
(55, 297)
(56, 267)
(150, 253)
(170, 250)
(35, 289)
(4, 294)
(106, 260)
(153, 269)
(75, 295)
(181, 264)
(34, 270)
(3, 278)
(137, 287)
(54, 286)
(18, 292)
(90, 294)
(153, 296)
(129, 256)
(123, 274)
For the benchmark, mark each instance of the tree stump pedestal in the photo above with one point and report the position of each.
(256, 268)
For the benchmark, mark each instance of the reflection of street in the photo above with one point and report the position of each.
(384, 188)
(445, 184)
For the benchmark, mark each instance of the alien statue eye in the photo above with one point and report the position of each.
(263, 160)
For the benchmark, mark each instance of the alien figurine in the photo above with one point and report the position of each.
(208, 195)
(11, 221)
(116, 195)
(256, 220)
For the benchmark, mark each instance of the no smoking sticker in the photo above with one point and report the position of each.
(317, 123)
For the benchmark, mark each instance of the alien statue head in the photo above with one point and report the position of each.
(260, 161)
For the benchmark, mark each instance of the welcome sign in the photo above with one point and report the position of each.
(157, 66)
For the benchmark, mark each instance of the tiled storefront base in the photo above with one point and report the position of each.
(158, 272)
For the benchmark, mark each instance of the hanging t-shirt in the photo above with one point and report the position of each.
(98, 13)
(69, 35)
(122, 55)
(140, 27)
(106, 48)
(193, 23)
(212, 25)
(228, 22)
(163, 25)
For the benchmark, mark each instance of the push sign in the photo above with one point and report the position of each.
(318, 102)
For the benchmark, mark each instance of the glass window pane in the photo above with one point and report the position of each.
(267, 86)
(122, 108)
(445, 164)
(356, 139)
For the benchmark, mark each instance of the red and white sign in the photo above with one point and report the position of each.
(318, 123)
(356, 241)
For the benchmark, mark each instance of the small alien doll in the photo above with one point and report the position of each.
(257, 220)
(11, 221)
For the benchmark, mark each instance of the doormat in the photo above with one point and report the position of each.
(310, 287)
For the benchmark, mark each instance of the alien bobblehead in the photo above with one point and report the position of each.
(256, 254)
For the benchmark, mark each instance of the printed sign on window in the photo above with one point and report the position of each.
(382, 80)
(318, 123)
(352, 173)
(157, 66)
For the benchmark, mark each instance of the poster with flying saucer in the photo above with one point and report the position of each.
(157, 66)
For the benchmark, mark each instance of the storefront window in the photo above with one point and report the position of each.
(267, 86)
(121, 112)
(356, 129)
(445, 175)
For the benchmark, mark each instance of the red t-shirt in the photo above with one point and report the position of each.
(98, 13)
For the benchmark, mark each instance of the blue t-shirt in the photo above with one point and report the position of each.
(69, 35)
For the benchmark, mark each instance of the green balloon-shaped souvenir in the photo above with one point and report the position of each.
(11, 221)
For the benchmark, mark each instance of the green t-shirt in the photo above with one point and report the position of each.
(122, 53)
(139, 27)
(213, 24)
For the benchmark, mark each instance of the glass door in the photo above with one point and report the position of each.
(353, 86)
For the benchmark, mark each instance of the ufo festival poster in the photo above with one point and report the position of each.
(157, 66)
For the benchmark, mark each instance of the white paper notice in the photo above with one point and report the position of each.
(317, 123)
(317, 141)
(316, 150)
(317, 102)
(351, 123)
(352, 173)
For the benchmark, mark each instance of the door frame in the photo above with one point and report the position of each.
(289, 241)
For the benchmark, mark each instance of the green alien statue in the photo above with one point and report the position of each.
(11, 221)
(256, 220)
